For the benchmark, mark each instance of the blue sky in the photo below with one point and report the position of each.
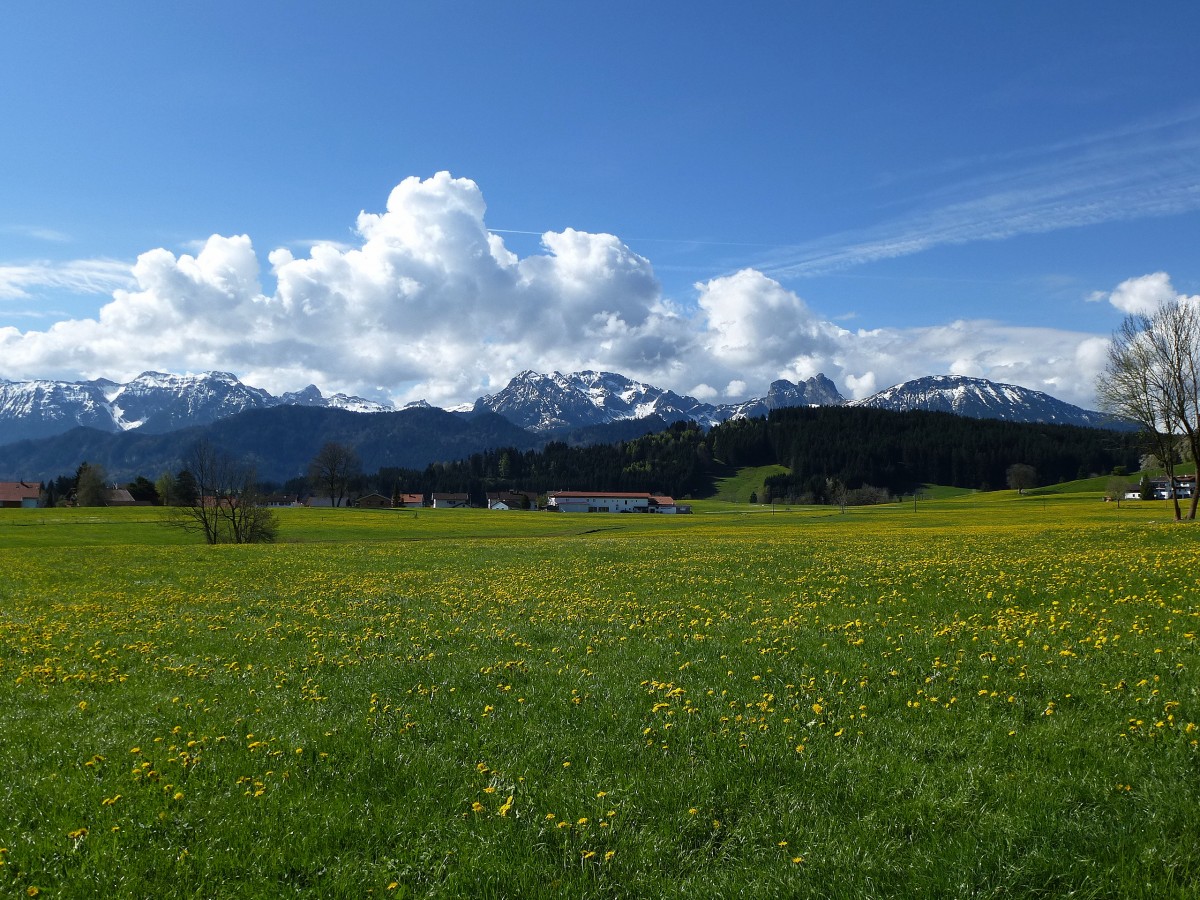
(878, 190)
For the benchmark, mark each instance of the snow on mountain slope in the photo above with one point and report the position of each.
(157, 402)
(981, 399)
(548, 402)
(154, 402)
(34, 409)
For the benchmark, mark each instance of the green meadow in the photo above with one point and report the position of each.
(960, 696)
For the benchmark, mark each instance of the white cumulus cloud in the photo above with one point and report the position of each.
(427, 303)
(1142, 295)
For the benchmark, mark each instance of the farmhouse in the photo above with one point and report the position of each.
(1185, 486)
(451, 501)
(374, 501)
(409, 501)
(511, 500)
(318, 502)
(668, 506)
(19, 495)
(611, 501)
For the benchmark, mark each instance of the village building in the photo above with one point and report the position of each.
(612, 502)
(374, 501)
(511, 500)
(316, 501)
(451, 501)
(19, 495)
(409, 501)
(1184, 487)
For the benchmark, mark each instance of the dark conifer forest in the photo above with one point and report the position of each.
(895, 452)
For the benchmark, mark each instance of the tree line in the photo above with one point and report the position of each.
(870, 452)
(834, 454)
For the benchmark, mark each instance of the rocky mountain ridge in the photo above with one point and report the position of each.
(978, 398)
(158, 403)
(544, 403)
(153, 403)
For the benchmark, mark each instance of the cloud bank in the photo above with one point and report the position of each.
(429, 304)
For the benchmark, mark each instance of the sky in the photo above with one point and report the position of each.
(418, 200)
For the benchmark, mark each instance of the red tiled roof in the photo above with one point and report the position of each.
(14, 491)
(611, 495)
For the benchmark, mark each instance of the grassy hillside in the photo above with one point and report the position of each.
(989, 695)
(737, 486)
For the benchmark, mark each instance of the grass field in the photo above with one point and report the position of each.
(741, 483)
(983, 696)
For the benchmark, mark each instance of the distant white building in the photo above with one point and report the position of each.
(611, 502)
(511, 500)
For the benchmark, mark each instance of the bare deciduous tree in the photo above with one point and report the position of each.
(333, 469)
(1152, 378)
(228, 507)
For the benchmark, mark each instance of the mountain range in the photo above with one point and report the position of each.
(49, 427)
(977, 398)
(153, 403)
(546, 403)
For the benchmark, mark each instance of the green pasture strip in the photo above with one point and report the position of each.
(1100, 483)
(957, 698)
(738, 487)
(943, 492)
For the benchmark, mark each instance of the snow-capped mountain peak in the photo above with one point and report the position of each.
(158, 402)
(982, 399)
(549, 402)
(153, 402)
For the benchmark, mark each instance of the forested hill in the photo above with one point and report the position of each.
(857, 446)
(899, 450)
